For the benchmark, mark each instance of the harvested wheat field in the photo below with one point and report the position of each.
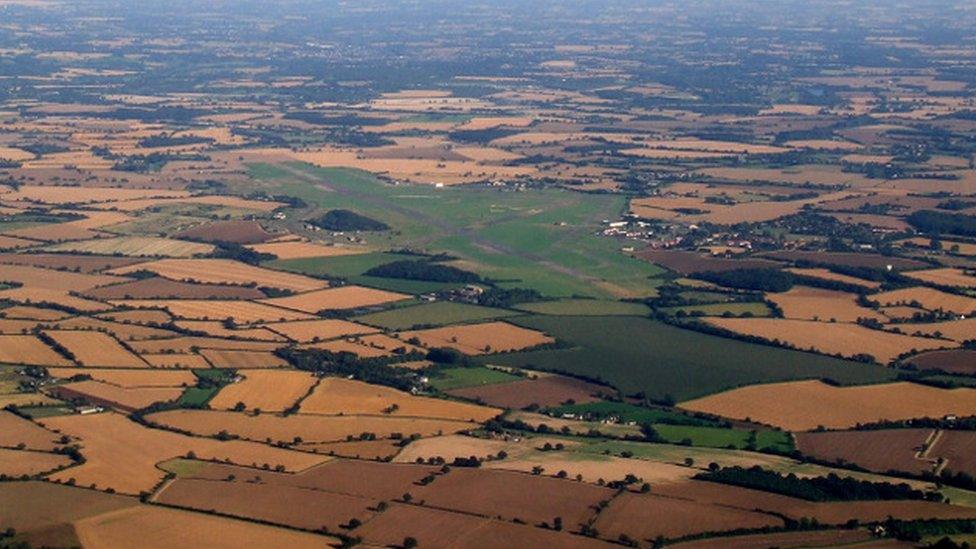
(186, 345)
(299, 250)
(137, 317)
(124, 332)
(122, 454)
(646, 516)
(308, 331)
(135, 246)
(876, 450)
(345, 297)
(104, 394)
(15, 430)
(39, 510)
(226, 358)
(176, 360)
(435, 528)
(345, 396)
(265, 390)
(164, 288)
(805, 405)
(214, 328)
(30, 351)
(825, 305)
(51, 194)
(592, 468)
(956, 330)
(815, 538)
(130, 379)
(96, 350)
(825, 274)
(545, 391)
(368, 346)
(241, 312)
(476, 339)
(225, 271)
(358, 449)
(172, 528)
(86, 264)
(18, 463)
(831, 338)
(310, 428)
(927, 298)
(33, 313)
(453, 446)
(511, 495)
(952, 277)
(267, 502)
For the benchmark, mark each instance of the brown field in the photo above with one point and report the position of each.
(848, 259)
(335, 396)
(29, 350)
(239, 232)
(310, 428)
(47, 279)
(96, 350)
(172, 527)
(957, 361)
(434, 528)
(122, 454)
(52, 297)
(360, 449)
(225, 271)
(214, 328)
(956, 330)
(242, 312)
(928, 298)
(15, 430)
(815, 538)
(643, 516)
(879, 221)
(346, 297)
(267, 502)
(163, 288)
(32, 313)
(958, 448)
(952, 277)
(12, 243)
(135, 246)
(125, 332)
(295, 250)
(961, 248)
(830, 513)
(824, 274)
(266, 390)
(368, 346)
(452, 446)
(319, 330)
(130, 379)
(690, 262)
(805, 405)
(595, 467)
(825, 305)
(794, 175)
(51, 194)
(880, 451)
(55, 232)
(126, 399)
(831, 338)
(15, 327)
(476, 339)
(16, 463)
(185, 345)
(545, 391)
(509, 496)
(225, 358)
(176, 360)
(37, 508)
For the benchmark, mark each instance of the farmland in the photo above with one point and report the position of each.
(499, 274)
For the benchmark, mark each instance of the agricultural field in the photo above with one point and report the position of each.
(524, 274)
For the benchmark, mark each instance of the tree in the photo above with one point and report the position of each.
(409, 542)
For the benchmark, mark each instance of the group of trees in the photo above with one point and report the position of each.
(410, 269)
(346, 220)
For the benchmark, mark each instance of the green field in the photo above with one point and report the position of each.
(543, 239)
(718, 437)
(629, 412)
(40, 412)
(196, 396)
(352, 267)
(665, 362)
(440, 313)
(585, 307)
(457, 378)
